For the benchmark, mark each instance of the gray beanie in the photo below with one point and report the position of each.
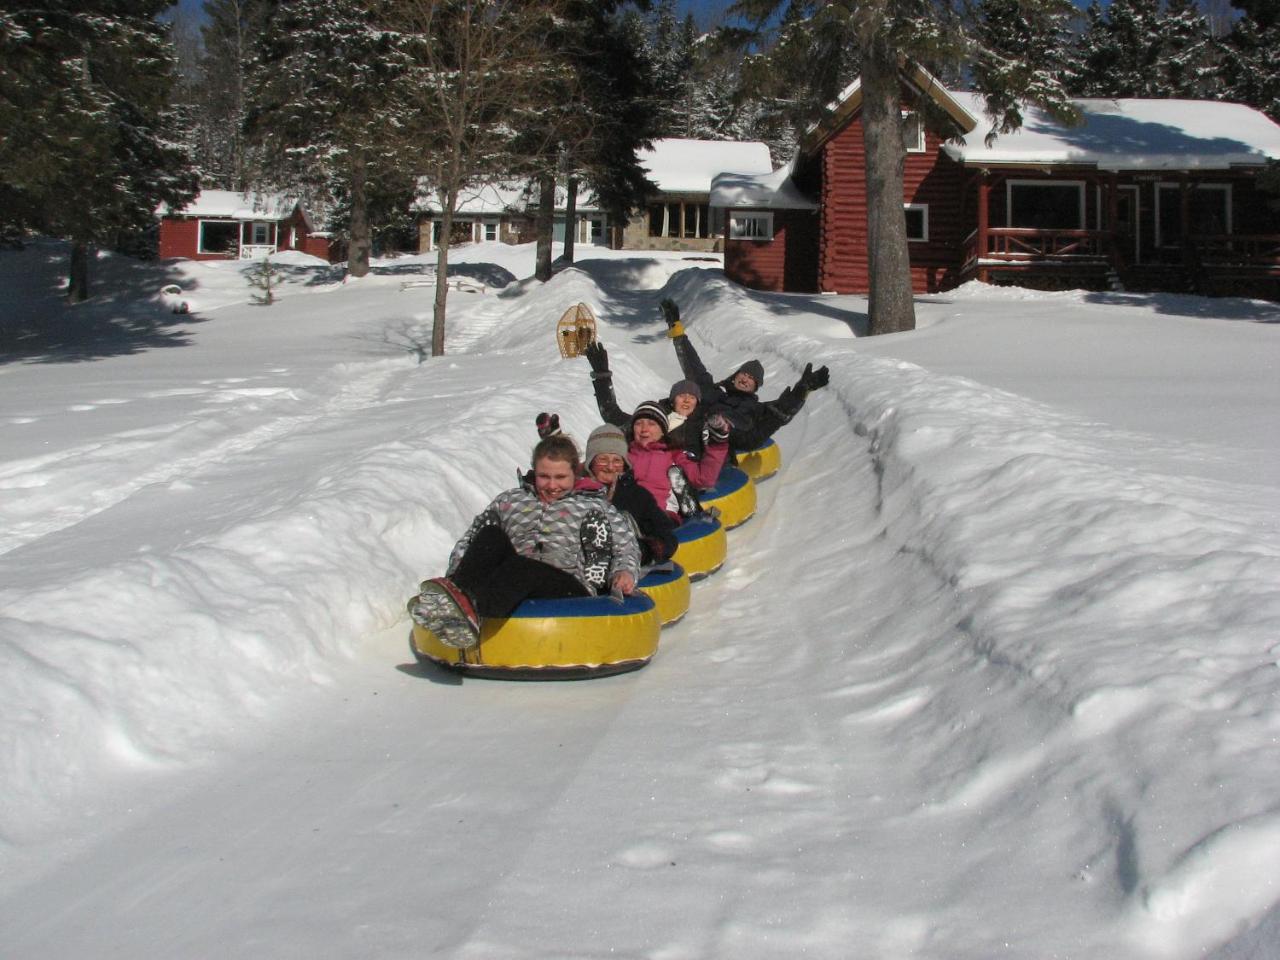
(685, 386)
(754, 369)
(607, 439)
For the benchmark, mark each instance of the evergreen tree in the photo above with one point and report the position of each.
(1138, 49)
(323, 104)
(1023, 50)
(1251, 59)
(219, 91)
(90, 144)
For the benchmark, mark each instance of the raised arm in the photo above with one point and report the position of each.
(602, 383)
(690, 363)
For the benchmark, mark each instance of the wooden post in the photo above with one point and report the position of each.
(1113, 214)
(984, 197)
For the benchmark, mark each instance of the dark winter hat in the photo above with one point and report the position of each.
(754, 369)
(685, 386)
(607, 439)
(649, 410)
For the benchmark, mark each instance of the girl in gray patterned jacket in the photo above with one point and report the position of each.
(557, 537)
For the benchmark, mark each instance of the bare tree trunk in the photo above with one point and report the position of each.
(360, 243)
(891, 305)
(448, 200)
(78, 273)
(570, 218)
(545, 225)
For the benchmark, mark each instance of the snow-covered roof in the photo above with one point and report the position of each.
(494, 199)
(235, 205)
(771, 191)
(1129, 134)
(688, 166)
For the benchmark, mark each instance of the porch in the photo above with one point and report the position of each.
(1102, 231)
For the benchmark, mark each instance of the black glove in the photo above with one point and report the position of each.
(548, 425)
(813, 379)
(671, 314)
(598, 357)
(717, 428)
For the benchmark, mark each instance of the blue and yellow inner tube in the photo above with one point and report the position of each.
(554, 640)
(762, 462)
(703, 547)
(734, 495)
(669, 590)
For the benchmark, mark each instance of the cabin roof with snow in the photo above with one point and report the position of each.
(1128, 134)
(495, 199)
(234, 205)
(771, 191)
(688, 166)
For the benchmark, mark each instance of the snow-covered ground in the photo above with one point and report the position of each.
(993, 671)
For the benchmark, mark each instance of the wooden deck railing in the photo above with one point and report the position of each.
(1238, 250)
(1021, 244)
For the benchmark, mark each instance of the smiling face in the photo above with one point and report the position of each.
(646, 430)
(744, 381)
(607, 467)
(552, 479)
(684, 403)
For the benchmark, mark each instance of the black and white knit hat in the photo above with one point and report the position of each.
(651, 410)
(606, 439)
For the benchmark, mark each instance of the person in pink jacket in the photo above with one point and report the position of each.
(653, 460)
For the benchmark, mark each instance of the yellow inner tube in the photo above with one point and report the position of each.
(670, 592)
(762, 462)
(734, 495)
(581, 636)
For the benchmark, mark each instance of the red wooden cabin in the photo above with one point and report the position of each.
(1143, 194)
(229, 225)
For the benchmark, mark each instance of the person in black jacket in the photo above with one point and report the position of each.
(686, 418)
(752, 420)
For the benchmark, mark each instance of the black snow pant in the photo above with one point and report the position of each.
(497, 578)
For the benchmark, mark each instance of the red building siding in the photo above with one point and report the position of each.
(930, 179)
(785, 263)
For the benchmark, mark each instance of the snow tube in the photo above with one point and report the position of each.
(702, 549)
(554, 640)
(762, 462)
(734, 495)
(669, 590)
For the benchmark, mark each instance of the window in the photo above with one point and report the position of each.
(751, 226)
(679, 219)
(917, 222)
(219, 236)
(1046, 204)
(1210, 212)
(491, 230)
(261, 233)
(912, 131)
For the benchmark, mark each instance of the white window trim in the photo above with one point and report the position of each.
(1008, 197)
(1164, 185)
(919, 146)
(754, 216)
(924, 208)
(200, 235)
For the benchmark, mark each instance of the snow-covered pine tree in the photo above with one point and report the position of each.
(262, 277)
(1251, 58)
(1022, 49)
(323, 104)
(219, 91)
(1137, 48)
(91, 145)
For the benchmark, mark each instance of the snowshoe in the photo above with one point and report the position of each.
(597, 550)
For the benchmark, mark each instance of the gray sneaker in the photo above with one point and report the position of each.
(435, 609)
